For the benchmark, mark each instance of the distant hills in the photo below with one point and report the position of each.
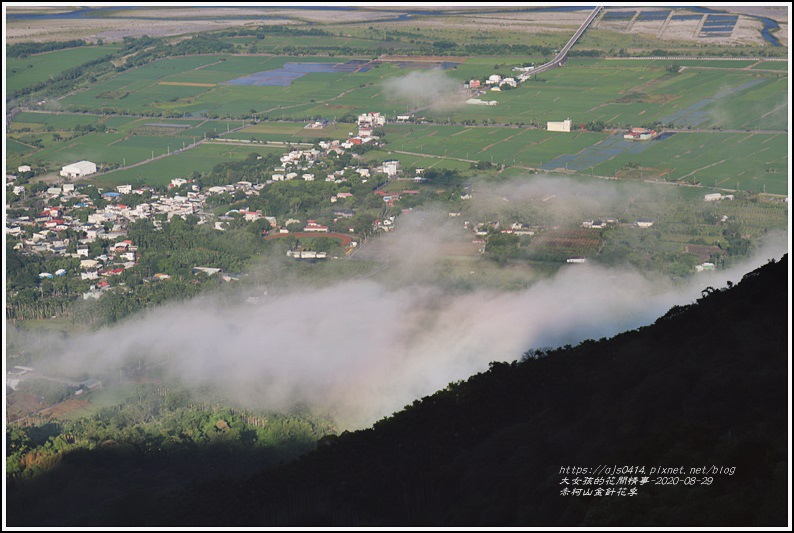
(704, 387)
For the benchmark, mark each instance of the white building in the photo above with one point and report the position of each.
(124, 189)
(373, 120)
(78, 170)
(565, 125)
(390, 168)
(713, 197)
(24, 168)
(477, 101)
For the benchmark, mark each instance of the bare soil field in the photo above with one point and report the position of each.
(39, 9)
(516, 22)
(115, 29)
(776, 13)
(20, 404)
(61, 409)
(170, 21)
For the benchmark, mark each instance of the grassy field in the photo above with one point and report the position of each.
(292, 132)
(199, 159)
(416, 161)
(106, 397)
(616, 91)
(128, 140)
(54, 121)
(510, 146)
(101, 148)
(754, 162)
(625, 93)
(707, 94)
(27, 71)
(772, 65)
(16, 147)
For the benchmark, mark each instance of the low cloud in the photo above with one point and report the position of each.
(425, 88)
(362, 349)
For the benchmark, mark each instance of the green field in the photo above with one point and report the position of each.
(129, 140)
(101, 148)
(292, 132)
(16, 147)
(416, 161)
(618, 92)
(623, 92)
(772, 65)
(756, 162)
(199, 159)
(628, 93)
(28, 71)
(55, 121)
(510, 146)
(103, 398)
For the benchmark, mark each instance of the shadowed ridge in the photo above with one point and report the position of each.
(706, 385)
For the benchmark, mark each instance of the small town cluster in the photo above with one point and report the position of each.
(88, 224)
(70, 218)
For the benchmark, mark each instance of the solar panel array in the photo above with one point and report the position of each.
(718, 25)
(618, 15)
(650, 16)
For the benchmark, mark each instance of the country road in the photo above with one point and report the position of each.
(560, 57)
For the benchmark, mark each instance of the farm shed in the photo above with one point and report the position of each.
(565, 125)
(79, 169)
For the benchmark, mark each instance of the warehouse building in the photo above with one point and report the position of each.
(565, 125)
(78, 170)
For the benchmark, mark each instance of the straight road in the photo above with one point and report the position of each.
(558, 59)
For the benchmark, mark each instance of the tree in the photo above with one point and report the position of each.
(501, 247)
(259, 227)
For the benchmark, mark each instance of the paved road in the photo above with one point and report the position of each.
(558, 59)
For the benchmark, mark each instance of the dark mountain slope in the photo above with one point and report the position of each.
(705, 386)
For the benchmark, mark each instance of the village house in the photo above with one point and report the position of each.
(314, 227)
(371, 120)
(391, 168)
